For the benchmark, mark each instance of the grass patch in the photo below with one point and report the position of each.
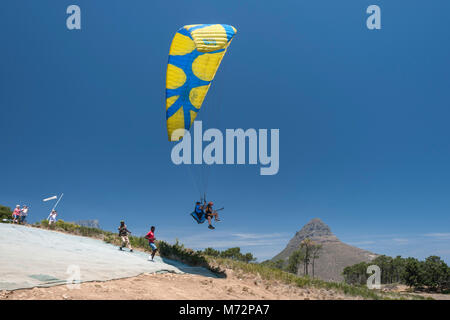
(75, 229)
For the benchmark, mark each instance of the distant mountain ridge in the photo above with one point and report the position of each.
(88, 223)
(334, 256)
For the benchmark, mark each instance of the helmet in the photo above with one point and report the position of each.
(210, 203)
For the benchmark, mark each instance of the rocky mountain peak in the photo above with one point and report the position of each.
(334, 255)
(314, 229)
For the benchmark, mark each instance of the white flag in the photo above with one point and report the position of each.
(51, 198)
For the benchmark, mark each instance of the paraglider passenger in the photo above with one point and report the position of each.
(209, 213)
(151, 241)
(123, 234)
(199, 210)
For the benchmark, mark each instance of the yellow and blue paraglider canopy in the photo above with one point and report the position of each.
(194, 57)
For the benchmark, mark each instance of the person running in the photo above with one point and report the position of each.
(209, 213)
(24, 214)
(151, 241)
(52, 217)
(123, 234)
(16, 214)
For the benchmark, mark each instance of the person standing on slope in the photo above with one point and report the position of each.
(151, 241)
(52, 217)
(16, 214)
(123, 234)
(24, 214)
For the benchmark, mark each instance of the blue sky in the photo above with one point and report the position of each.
(363, 118)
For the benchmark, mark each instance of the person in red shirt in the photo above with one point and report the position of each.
(16, 214)
(151, 241)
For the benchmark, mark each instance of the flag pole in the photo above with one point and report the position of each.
(54, 207)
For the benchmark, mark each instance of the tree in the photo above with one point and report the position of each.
(306, 246)
(315, 255)
(305, 255)
(248, 257)
(412, 273)
(435, 273)
(356, 274)
(399, 266)
(232, 253)
(211, 252)
(386, 265)
(5, 212)
(294, 260)
(278, 264)
(310, 253)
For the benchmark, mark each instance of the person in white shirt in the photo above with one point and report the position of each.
(52, 218)
(24, 214)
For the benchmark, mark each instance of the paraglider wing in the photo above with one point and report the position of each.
(194, 57)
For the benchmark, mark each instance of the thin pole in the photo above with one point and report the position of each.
(62, 194)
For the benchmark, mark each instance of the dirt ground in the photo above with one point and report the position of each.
(400, 288)
(170, 286)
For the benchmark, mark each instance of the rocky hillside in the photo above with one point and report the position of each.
(334, 256)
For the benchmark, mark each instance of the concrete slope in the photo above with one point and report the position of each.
(31, 257)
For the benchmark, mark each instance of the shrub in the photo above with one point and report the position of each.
(178, 252)
(5, 213)
(231, 253)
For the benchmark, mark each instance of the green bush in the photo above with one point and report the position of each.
(435, 274)
(211, 252)
(279, 264)
(178, 252)
(73, 228)
(231, 253)
(109, 239)
(5, 213)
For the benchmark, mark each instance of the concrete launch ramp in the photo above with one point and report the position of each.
(32, 257)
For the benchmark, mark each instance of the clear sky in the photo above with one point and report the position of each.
(363, 118)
